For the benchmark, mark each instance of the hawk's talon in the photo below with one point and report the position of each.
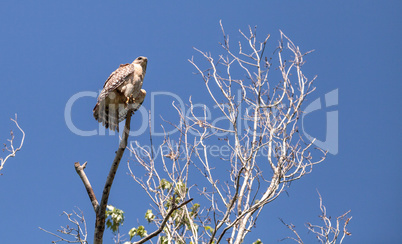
(130, 99)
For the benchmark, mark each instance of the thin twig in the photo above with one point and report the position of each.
(11, 149)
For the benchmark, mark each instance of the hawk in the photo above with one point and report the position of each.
(121, 92)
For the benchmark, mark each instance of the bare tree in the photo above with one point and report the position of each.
(10, 148)
(266, 155)
(72, 234)
(259, 101)
(328, 232)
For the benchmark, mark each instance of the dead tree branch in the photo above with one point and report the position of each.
(101, 210)
(80, 171)
(292, 228)
(329, 232)
(79, 232)
(10, 148)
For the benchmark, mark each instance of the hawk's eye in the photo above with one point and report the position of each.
(139, 58)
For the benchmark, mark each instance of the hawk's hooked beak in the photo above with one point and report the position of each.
(144, 61)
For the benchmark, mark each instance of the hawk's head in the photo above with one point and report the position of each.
(141, 61)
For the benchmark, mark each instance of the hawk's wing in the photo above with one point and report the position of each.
(115, 79)
(102, 112)
(114, 72)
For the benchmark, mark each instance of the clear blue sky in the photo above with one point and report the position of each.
(51, 50)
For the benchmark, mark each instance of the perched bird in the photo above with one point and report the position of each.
(121, 92)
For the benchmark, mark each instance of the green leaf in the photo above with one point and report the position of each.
(258, 241)
(209, 228)
(149, 216)
(194, 209)
(132, 233)
(141, 232)
(180, 189)
(165, 185)
(163, 240)
(115, 218)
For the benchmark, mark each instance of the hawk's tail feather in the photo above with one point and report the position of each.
(113, 119)
(108, 117)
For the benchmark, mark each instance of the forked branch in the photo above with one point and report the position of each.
(328, 232)
(10, 148)
(101, 211)
(76, 233)
(100, 208)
